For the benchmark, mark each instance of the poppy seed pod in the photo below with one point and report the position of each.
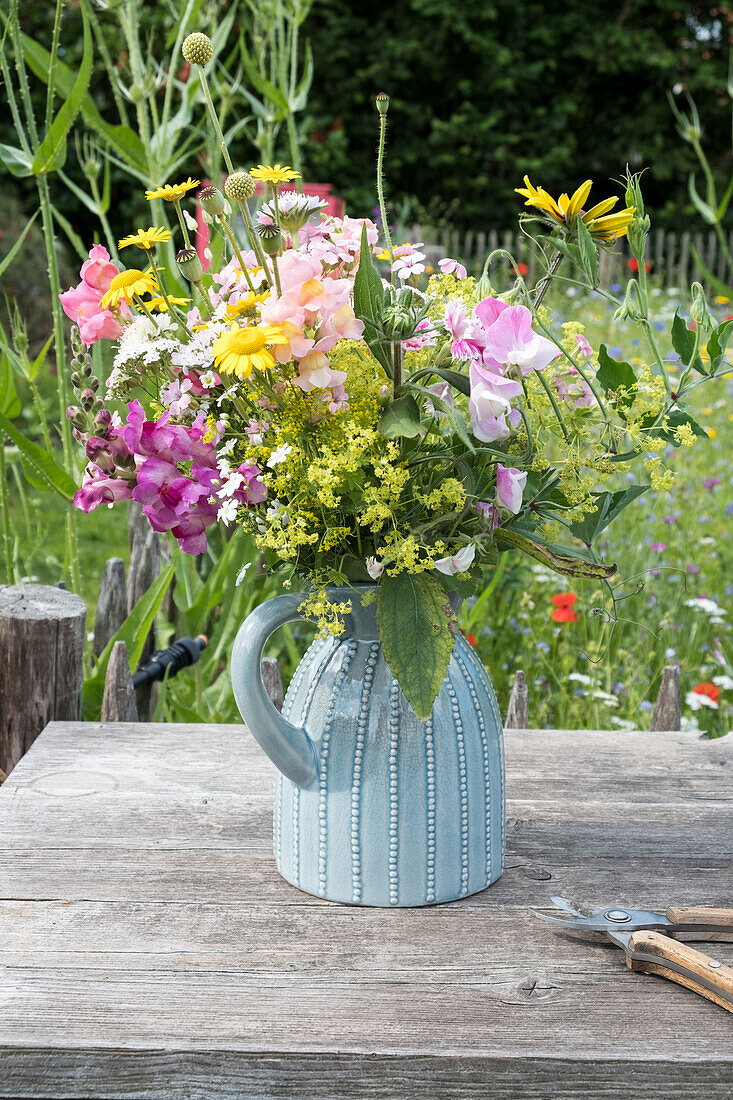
(212, 200)
(197, 49)
(382, 101)
(189, 264)
(271, 238)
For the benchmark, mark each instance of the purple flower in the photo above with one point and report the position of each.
(692, 569)
(509, 339)
(660, 547)
(711, 482)
(487, 511)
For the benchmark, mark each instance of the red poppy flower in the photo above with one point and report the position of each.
(522, 269)
(633, 265)
(470, 638)
(711, 690)
(563, 612)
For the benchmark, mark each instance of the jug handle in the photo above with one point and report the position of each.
(289, 747)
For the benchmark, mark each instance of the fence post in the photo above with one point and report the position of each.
(667, 713)
(118, 702)
(517, 715)
(41, 663)
(144, 568)
(111, 603)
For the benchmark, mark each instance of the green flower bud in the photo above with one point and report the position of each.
(189, 264)
(699, 311)
(212, 200)
(197, 49)
(239, 186)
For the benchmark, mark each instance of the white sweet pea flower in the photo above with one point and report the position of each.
(279, 454)
(190, 221)
(457, 563)
(374, 568)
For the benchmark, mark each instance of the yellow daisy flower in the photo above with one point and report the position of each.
(172, 192)
(242, 348)
(274, 174)
(128, 285)
(603, 226)
(146, 238)
(247, 305)
(161, 305)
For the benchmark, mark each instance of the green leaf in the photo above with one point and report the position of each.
(300, 99)
(9, 400)
(40, 359)
(72, 236)
(15, 160)
(369, 298)
(609, 506)
(44, 468)
(417, 632)
(683, 342)
(563, 559)
(51, 153)
(401, 418)
(588, 253)
(5, 264)
(459, 381)
(266, 88)
(613, 375)
(123, 140)
(718, 344)
(133, 633)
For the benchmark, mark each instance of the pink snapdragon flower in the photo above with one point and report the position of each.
(81, 303)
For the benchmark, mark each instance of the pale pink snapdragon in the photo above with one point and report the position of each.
(81, 303)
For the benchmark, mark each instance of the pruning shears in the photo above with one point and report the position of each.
(650, 941)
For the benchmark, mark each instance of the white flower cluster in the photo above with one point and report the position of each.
(144, 343)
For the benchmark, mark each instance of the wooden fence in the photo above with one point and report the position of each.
(672, 256)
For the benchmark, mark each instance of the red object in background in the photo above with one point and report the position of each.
(563, 612)
(711, 690)
(470, 638)
(633, 265)
(522, 269)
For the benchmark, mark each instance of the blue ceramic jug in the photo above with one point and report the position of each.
(372, 806)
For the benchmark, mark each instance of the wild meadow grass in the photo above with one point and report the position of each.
(669, 604)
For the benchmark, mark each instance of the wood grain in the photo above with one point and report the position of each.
(695, 914)
(150, 950)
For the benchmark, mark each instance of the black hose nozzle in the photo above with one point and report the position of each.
(180, 654)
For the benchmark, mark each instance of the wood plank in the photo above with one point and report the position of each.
(149, 948)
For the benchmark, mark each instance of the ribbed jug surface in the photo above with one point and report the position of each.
(402, 812)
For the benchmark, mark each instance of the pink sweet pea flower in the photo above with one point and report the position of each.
(490, 404)
(452, 267)
(511, 341)
(584, 347)
(510, 485)
(81, 303)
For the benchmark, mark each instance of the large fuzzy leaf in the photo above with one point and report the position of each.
(417, 631)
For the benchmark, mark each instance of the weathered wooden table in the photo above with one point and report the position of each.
(148, 947)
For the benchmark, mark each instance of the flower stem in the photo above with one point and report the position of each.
(254, 240)
(380, 186)
(237, 252)
(215, 120)
(544, 285)
(182, 223)
(7, 549)
(276, 269)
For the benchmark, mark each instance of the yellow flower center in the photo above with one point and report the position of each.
(247, 341)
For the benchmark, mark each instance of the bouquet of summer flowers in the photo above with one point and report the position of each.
(367, 421)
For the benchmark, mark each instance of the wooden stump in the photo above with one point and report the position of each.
(667, 713)
(41, 663)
